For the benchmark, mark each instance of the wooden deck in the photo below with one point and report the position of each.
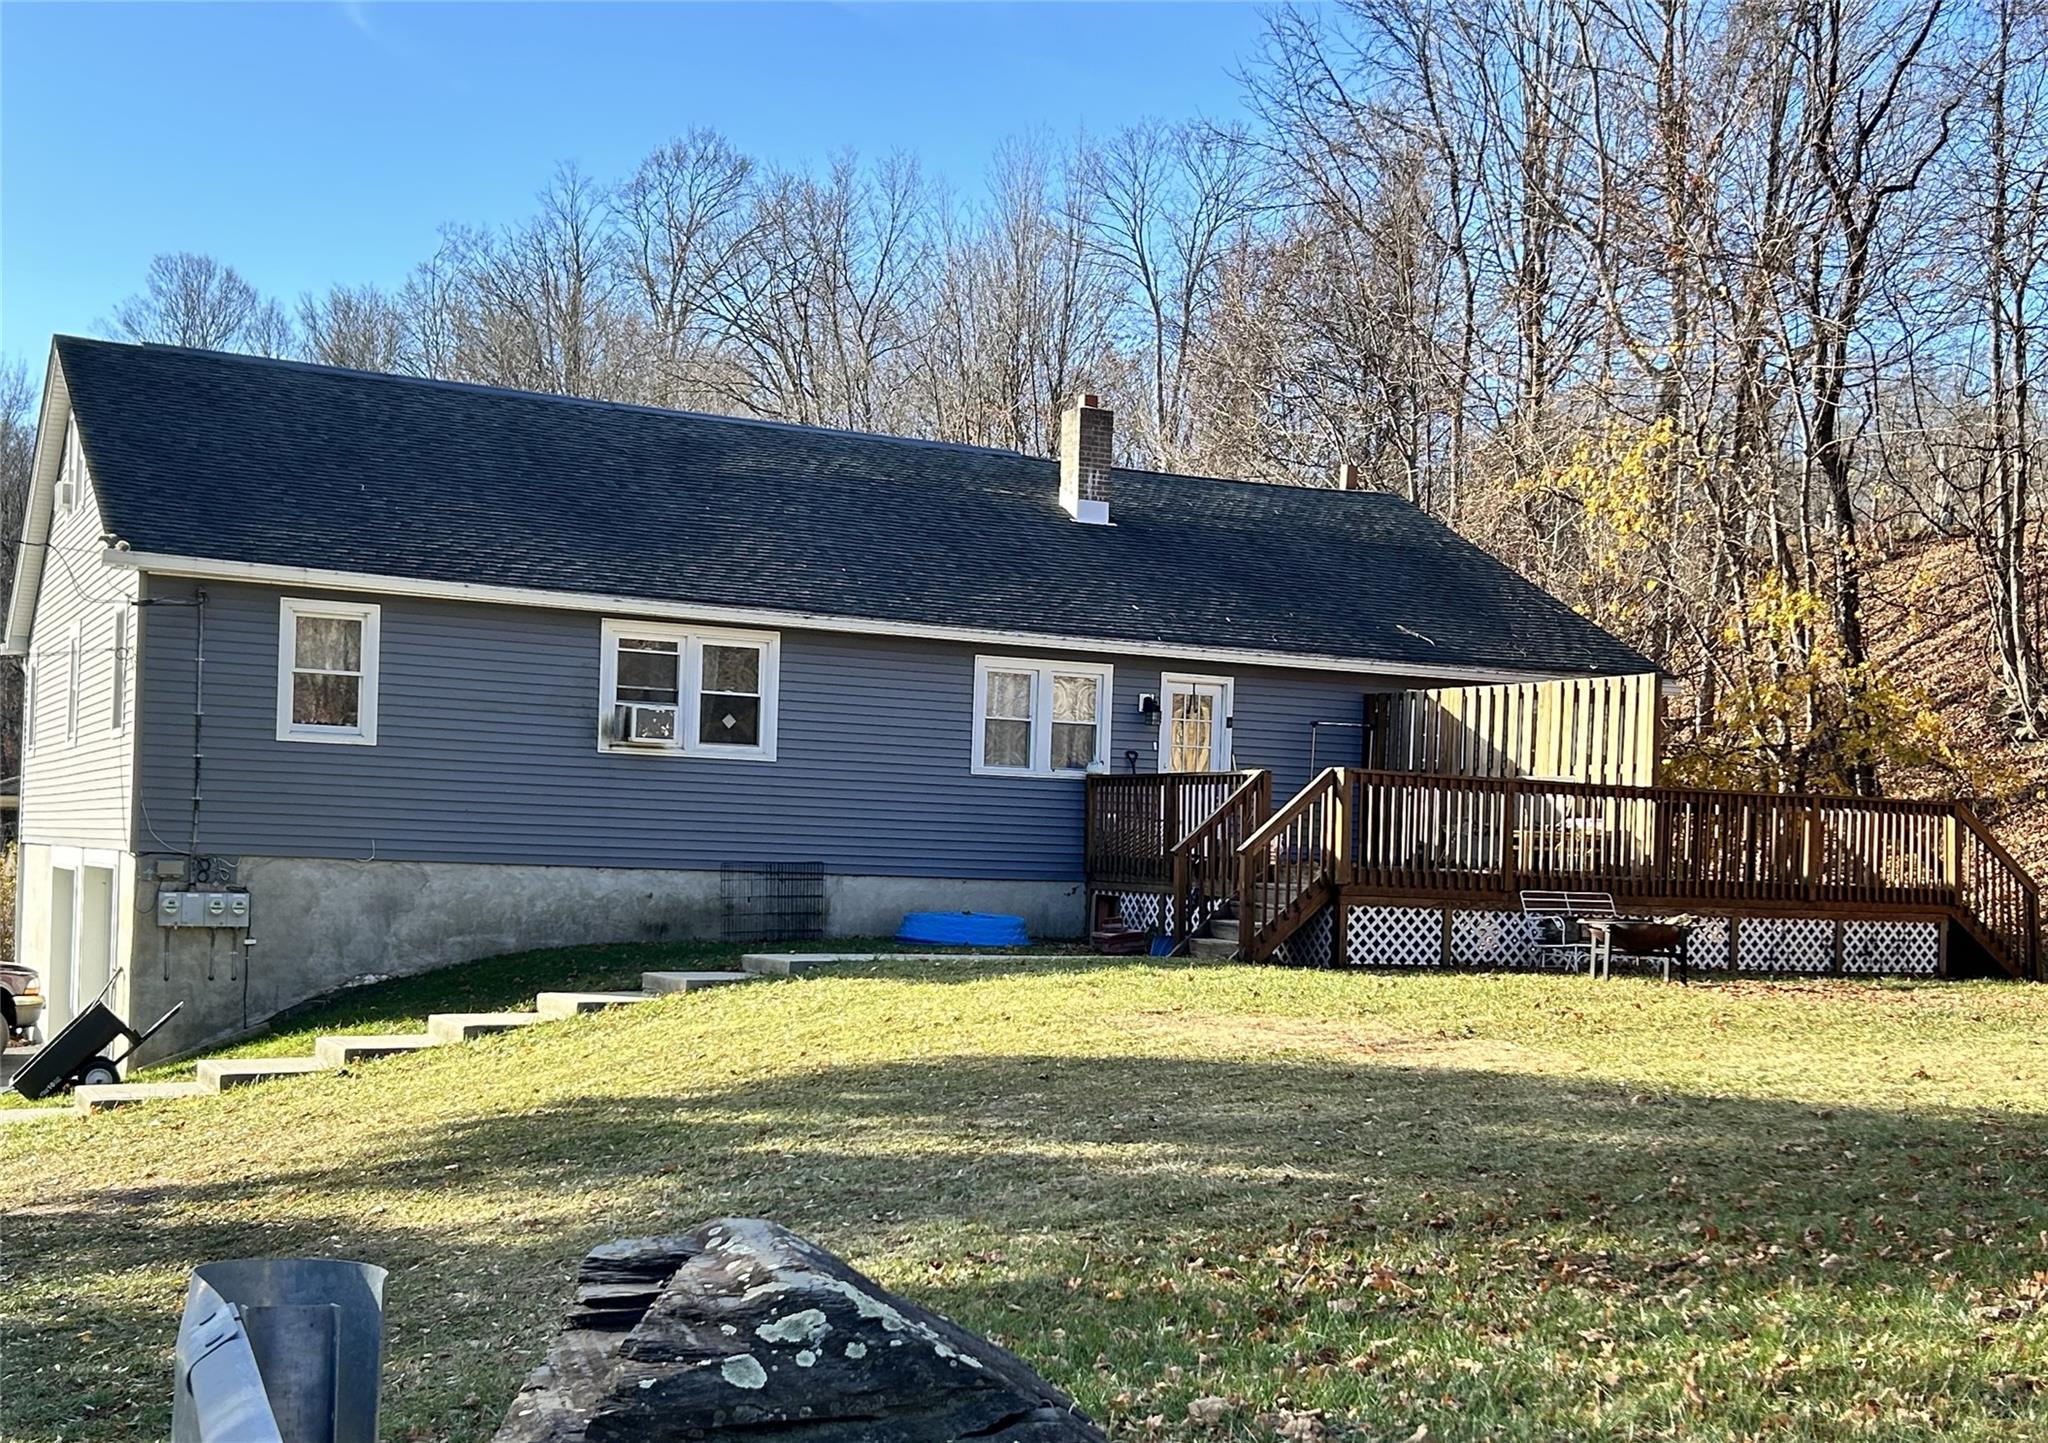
(1214, 840)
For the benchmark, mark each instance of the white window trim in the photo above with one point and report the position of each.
(74, 664)
(1167, 681)
(70, 469)
(364, 732)
(689, 691)
(1041, 713)
(123, 644)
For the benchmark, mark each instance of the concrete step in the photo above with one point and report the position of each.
(664, 982)
(1214, 948)
(788, 964)
(1224, 927)
(218, 1074)
(88, 1100)
(9, 1115)
(555, 1006)
(464, 1026)
(347, 1051)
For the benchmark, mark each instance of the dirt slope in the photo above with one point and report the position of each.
(1928, 623)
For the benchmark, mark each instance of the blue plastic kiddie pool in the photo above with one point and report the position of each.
(963, 929)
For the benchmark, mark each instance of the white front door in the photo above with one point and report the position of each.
(1194, 724)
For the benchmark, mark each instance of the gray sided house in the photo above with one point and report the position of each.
(335, 675)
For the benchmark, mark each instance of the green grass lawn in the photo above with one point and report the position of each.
(498, 984)
(1324, 1204)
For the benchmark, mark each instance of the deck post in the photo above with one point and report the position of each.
(1340, 823)
(1510, 814)
(1813, 858)
(1183, 925)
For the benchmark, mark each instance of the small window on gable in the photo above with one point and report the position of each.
(682, 690)
(1040, 718)
(327, 671)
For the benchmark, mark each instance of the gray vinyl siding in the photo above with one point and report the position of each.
(75, 791)
(486, 752)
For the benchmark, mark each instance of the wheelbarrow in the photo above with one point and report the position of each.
(1641, 937)
(78, 1055)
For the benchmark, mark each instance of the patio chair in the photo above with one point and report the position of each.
(1560, 939)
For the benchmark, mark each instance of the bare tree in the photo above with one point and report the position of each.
(685, 219)
(359, 327)
(827, 300)
(1020, 311)
(18, 391)
(189, 300)
(1165, 205)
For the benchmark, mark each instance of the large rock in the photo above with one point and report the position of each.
(742, 1325)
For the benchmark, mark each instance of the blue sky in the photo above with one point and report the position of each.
(310, 143)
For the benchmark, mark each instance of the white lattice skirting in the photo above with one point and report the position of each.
(1388, 936)
(1410, 937)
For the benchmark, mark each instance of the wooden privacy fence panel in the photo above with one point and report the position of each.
(1587, 729)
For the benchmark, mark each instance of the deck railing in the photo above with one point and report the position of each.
(1408, 834)
(1291, 866)
(1488, 834)
(1416, 834)
(1205, 861)
(1996, 895)
(1135, 820)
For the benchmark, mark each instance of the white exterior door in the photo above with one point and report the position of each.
(1194, 724)
(92, 958)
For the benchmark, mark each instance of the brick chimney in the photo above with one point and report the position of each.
(1085, 434)
(1350, 478)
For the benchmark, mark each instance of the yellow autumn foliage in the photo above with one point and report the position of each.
(1798, 717)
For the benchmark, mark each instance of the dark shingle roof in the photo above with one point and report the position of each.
(240, 459)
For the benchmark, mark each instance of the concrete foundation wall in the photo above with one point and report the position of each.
(319, 925)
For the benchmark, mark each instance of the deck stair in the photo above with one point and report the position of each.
(1218, 941)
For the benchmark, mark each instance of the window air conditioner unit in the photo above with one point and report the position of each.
(644, 726)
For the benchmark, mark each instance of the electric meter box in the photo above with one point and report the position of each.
(202, 909)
